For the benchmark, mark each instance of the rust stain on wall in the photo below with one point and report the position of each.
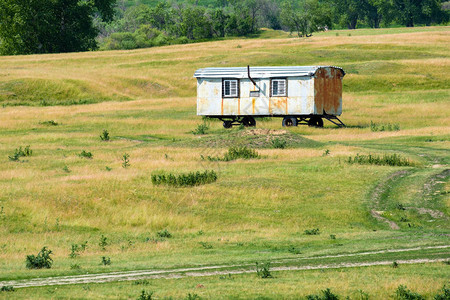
(328, 90)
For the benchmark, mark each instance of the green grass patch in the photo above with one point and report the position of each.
(183, 180)
(385, 160)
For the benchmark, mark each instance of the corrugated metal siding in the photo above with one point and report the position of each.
(306, 95)
(259, 72)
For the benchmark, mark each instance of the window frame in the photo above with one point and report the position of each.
(238, 89)
(286, 87)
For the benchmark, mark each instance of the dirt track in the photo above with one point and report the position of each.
(213, 270)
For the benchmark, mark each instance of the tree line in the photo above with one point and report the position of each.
(52, 26)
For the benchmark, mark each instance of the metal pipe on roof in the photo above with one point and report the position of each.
(249, 77)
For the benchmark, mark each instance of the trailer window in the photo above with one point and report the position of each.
(230, 88)
(278, 87)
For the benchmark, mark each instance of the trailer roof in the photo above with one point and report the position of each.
(259, 72)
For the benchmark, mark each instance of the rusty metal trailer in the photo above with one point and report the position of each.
(300, 95)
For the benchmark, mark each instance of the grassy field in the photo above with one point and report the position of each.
(258, 209)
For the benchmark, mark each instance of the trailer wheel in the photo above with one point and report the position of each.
(227, 124)
(289, 122)
(315, 122)
(249, 122)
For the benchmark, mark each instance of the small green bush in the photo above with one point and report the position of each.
(326, 295)
(394, 264)
(384, 127)
(146, 295)
(19, 152)
(66, 169)
(315, 231)
(141, 282)
(106, 261)
(103, 242)
(279, 143)
(41, 261)
(206, 245)
(75, 267)
(7, 288)
(104, 136)
(86, 154)
(403, 293)
(164, 233)
(49, 123)
(263, 270)
(201, 129)
(444, 294)
(181, 180)
(125, 160)
(192, 297)
(385, 160)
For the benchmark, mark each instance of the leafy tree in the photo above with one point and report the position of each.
(348, 12)
(377, 11)
(410, 12)
(50, 26)
(308, 17)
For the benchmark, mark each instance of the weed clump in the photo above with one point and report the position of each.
(7, 288)
(181, 180)
(385, 160)
(234, 153)
(206, 245)
(103, 242)
(314, 231)
(41, 261)
(444, 295)
(85, 154)
(164, 233)
(76, 249)
(146, 295)
(403, 293)
(384, 127)
(106, 261)
(49, 123)
(326, 295)
(279, 143)
(19, 152)
(125, 160)
(263, 270)
(201, 129)
(105, 136)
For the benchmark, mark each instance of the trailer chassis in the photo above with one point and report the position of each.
(288, 121)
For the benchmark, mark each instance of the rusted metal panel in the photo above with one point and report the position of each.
(328, 91)
(310, 90)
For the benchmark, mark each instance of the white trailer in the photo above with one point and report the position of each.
(300, 95)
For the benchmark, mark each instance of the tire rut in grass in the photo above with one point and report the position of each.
(381, 191)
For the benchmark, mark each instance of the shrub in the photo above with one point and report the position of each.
(76, 249)
(66, 169)
(7, 288)
(403, 293)
(164, 233)
(141, 282)
(105, 136)
(315, 231)
(279, 143)
(189, 179)
(125, 160)
(106, 261)
(445, 295)
(385, 160)
(42, 260)
(206, 245)
(263, 270)
(394, 264)
(146, 295)
(332, 236)
(19, 152)
(75, 267)
(326, 295)
(384, 127)
(201, 129)
(326, 152)
(85, 154)
(192, 296)
(103, 242)
(49, 123)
